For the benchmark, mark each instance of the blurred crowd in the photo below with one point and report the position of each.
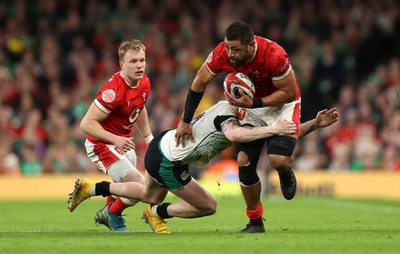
(54, 56)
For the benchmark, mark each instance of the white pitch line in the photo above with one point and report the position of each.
(354, 205)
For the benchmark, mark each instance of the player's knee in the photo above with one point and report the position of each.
(134, 176)
(150, 198)
(280, 162)
(280, 151)
(248, 175)
(242, 159)
(208, 208)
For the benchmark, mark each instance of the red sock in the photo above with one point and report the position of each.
(109, 200)
(117, 207)
(256, 213)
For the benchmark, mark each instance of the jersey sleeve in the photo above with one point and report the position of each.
(106, 98)
(279, 62)
(215, 60)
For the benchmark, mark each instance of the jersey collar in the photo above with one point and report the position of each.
(126, 81)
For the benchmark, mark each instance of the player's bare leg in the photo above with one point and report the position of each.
(287, 177)
(196, 202)
(154, 195)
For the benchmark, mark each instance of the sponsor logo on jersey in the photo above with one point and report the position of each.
(144, 95)
(184, 175)
(134, 115)
(108, 95)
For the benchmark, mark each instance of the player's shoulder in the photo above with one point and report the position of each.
(115, 80)
(219, 49)
(145, 80)
(113, 86)
(217, 60)
(265, 45)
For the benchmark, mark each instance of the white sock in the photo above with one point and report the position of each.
(92, 190)
(154, 210)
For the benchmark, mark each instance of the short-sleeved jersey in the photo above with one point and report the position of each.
(122, 102)
(271, 62)
(209, 138)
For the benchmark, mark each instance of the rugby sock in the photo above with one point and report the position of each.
(118, 206)
(109, 200)
(161, 210)
(101, 188)
(255, 215)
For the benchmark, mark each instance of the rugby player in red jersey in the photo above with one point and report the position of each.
(277, 97)
(118, 108)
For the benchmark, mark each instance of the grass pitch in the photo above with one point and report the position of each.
(303, 225)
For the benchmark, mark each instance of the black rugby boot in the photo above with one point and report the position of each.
(288, 184)
(254, 226)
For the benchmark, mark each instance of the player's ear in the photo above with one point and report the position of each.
(252, 45)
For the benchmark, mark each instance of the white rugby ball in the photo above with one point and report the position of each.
(237, 80)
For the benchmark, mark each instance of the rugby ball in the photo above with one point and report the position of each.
(237, 80)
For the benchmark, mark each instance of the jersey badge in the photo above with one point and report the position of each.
(108, 95)
(184, 175)
(256, 74)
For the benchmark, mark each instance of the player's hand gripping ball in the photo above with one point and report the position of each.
(237, 80)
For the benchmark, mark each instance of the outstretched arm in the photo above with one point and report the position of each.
(323, 119)
(241, 134)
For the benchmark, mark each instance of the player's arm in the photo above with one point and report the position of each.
(287, 91)
(202, 79)
(323, 119)
(90, 124)
(242, 134)
(143, 126)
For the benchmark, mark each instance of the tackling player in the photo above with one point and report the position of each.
(167, 165)
(119, 107)
(277, 97)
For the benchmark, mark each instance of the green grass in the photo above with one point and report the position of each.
(303, 225)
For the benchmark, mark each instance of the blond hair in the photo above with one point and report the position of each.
(133, 44)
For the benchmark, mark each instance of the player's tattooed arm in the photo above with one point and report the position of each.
(323, 119)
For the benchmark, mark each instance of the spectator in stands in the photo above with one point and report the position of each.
(36, 38)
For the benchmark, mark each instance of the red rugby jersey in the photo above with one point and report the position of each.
(271, 62)
(123, 104)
